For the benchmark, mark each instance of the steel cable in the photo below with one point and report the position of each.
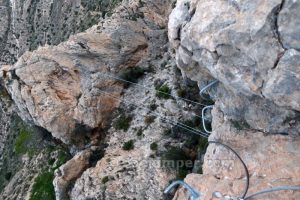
(175, 123)
(206, 87)
(241, 160)
(143, 86)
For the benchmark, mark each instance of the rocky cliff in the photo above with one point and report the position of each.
(252, 49)
(97, 84)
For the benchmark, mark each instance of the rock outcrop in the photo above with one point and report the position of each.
(62, 88)
(69, 172)
(67, 90)
(252, 49)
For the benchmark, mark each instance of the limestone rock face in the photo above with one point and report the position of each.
(233, 43)
(272, 160)
(288, 24)
(249, 46)
(63, 88)
(252, 49)
(281, 85)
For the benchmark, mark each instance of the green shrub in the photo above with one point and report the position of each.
(105, 179)
(181, 93)
(131, 74)
(171, 160)
(153, 146)
(153, 106)
(8, 176)
(123, 122)
(61, 159)
(163, 92)
(129, 145)
(43, 187)
(51, 161)
(139, 132)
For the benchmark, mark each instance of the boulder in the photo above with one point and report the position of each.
(69, 172)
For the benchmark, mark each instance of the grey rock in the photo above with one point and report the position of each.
(239, 40)
(283, 84)
(240, 43)
(289, 24)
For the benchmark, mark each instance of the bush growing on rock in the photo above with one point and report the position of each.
(22, 145)
(123, 122)
(139, 133)
(131, 74)
(129, 145)
(42, 187)
(105, 179)
(153, 106)
(153, 146)
(175, 158)
(163, 92)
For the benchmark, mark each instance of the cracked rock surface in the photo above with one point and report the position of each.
(68, 95)
(252, 49)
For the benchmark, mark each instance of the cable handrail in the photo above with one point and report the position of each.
(175, 123)
(204, 118)
(143, 86)
(206, 87)
(241, 160)
(194, 195)
(168, 189)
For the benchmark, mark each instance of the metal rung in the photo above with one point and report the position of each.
(194, 195)
(204, 118)
(203, 90)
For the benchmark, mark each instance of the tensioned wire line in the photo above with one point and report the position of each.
(175, 123)
(143, 86)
